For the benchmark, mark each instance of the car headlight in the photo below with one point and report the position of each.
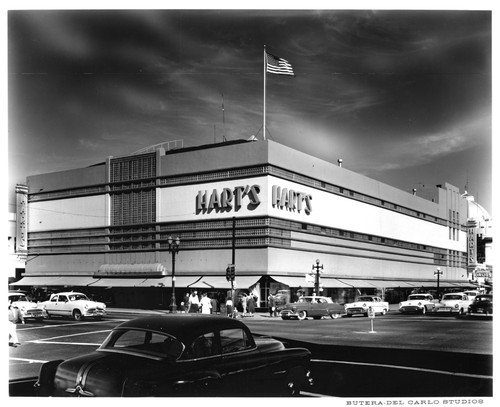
(419, 304)
(86, 306)
(456, 305)
(364, 305)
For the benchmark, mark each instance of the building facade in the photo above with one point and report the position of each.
(270, 210)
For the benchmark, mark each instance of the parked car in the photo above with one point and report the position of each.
(418, 303)
(23, 308)
(364, 302)
(312, 306)
(453, 303)
(482, 305)
(73, 304)
(180, 355)
(471, 294)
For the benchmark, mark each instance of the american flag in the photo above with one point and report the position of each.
(278, 65)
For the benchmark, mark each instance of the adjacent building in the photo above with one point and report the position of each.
(269, 210)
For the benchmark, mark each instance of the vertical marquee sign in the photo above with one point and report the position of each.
(471, 244)
(22, 219)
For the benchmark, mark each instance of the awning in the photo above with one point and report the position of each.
(118, 282)
(392, 283)
(131, 270)
(292, 281)
(180, 281)
(221, 282)
(357, 283)
(71, 281)
(446, 284)
(423, 283)
(334, 283)
(298, 281)
(36, 280)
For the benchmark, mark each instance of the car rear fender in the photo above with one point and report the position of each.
(45, 383)
(265, 344)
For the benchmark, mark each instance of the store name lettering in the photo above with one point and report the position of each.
(227, 199)
(291, 200)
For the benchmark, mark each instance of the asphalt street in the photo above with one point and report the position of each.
(428, 347)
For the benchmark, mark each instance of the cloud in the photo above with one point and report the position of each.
(425, 148)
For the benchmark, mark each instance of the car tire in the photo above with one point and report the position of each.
(302, 315)
(77, 315)
(334, 316)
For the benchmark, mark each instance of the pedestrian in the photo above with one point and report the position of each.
(214, 303)
(229, 307)
(194, 302)
(244, 301)
(185, 303)
(205, 304)
(271, 304)
(251, 305)
(13, 339)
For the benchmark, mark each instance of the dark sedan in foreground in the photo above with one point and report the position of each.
(180, 355)
(481, 306)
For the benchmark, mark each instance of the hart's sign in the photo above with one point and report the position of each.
(228, 198)
(291, 200)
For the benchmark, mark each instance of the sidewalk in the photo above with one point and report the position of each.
(393, 308)
(144, 312)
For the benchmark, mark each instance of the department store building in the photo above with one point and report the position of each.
(270, 210)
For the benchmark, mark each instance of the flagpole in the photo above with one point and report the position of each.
(264, 115)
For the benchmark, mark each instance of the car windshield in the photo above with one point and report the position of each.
(146, 343)
(484, 298)
(365, 299)
(418, 297)
(76, 297)
(452, 297)
(18, 297)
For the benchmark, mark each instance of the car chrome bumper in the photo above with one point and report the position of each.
(446, 309)
(33, 314)
(481, 313)
(288, 313)
(412, 308)
(353, 311)
(95, 313)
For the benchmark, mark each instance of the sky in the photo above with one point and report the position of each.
(403, 97)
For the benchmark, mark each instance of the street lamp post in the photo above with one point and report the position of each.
(438, 273)
(317, 269)
(173, 247)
